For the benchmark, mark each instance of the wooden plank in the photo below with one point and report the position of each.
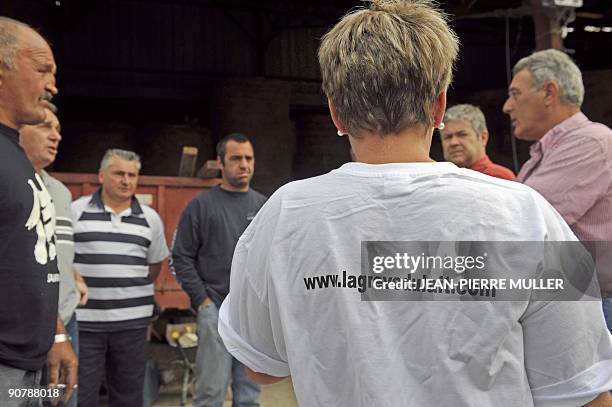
(210, 169)
(188, 161)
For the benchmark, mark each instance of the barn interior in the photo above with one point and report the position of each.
(155, 76)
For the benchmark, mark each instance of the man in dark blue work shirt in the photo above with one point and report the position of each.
(201, 258)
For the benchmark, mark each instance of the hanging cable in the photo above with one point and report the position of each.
(515, 162)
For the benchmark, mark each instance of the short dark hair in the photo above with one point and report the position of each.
(237, 137)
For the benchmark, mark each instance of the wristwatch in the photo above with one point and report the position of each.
(62, 338)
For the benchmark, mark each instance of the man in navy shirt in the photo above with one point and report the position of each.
(202, 255)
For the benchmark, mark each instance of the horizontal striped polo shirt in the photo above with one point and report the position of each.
(113, 253)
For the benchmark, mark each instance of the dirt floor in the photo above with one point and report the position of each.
(170, 367)
(273, 395)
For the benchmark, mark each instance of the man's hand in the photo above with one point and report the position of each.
(62, 364)
(82, 287)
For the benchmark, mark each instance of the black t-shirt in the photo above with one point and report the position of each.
(28, 269)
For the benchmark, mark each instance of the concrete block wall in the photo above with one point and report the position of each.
(259, 108)
(161, 146)
(319, 148)
(288, 145)
(158, 144)
(84, 143)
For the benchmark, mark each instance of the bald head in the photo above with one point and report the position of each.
(27, 74)
(10, 31)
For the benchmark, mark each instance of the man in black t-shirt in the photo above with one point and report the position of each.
(30, 330)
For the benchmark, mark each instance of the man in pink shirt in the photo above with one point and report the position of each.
(571, 159)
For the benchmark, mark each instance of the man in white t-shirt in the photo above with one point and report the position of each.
(295, 306)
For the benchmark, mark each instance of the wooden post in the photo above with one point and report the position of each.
(547, 26)
(188, 161)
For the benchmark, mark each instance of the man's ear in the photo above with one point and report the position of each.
(336, 118)
(484, 138)
(551, 92)
(439, 108)
(101, 177)
(219, 162)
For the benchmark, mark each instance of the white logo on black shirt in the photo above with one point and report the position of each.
(42, 218)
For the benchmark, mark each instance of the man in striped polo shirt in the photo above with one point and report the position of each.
(119, 249)
(40, 143)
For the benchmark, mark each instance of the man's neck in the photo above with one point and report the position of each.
(7, 121)
(559, 115)
(479, 160)
(229, 187)
(117, 206)
(408, 146)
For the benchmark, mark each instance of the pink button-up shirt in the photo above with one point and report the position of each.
(571, 166)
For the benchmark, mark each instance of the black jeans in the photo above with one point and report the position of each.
(123, 355)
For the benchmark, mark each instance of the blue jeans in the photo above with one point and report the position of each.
(607, 308)
(216, 368)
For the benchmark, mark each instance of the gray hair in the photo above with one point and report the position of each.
(118, 153)
(470, 113)
(383, 67)
(553, 65)
(8, 41)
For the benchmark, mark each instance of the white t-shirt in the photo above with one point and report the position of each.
(342, 351)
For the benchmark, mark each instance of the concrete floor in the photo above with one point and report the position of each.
(272, 395)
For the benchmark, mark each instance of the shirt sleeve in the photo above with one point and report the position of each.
(76, 210)
(568, 349)
(158, 250)
(185, 247)
(572, 177)
(249, 318)
(568, 352)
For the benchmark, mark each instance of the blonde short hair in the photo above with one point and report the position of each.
(383, 67)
